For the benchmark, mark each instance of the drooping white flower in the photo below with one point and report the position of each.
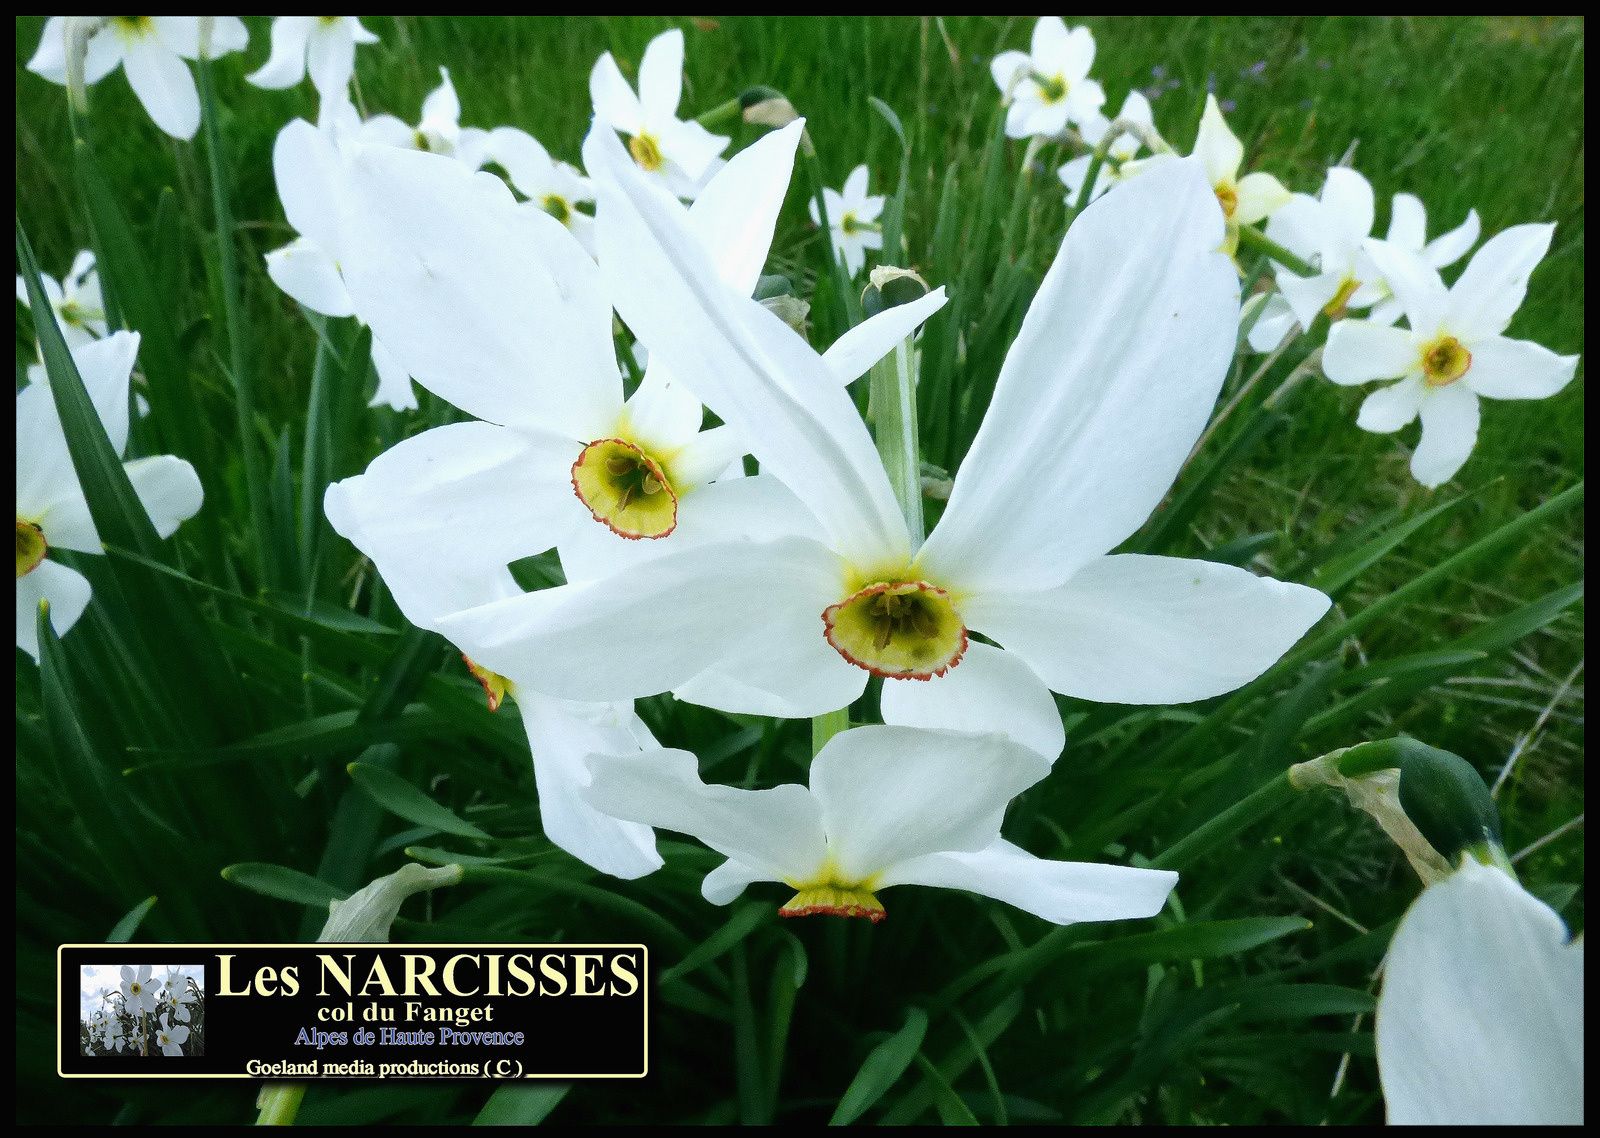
(1049, 86)
(852, 219)
(322, 46)
(678, 153)
(170, 1037)
(139, 995)
(75, 299)
(112, 1034)
(886, 806)
(1480, 1021)
(1245, 200)
(1111, 380)
(51, 510)
(151, 51)
(556, 187)
(307, 268)
(1122, 151)
(1453, 351)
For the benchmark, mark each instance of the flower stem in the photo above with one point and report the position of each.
(825, 727)
(894, 412)
(279, 1103)
(1252, 238)
(1248, 810)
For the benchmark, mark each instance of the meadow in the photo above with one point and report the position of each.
(243, 727)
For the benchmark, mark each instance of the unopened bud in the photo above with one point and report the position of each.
(763, 106)
(366, 915)
(889, 287)
(790, 309)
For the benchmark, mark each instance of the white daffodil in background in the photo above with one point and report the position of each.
(1452, 353)
(75, 299)
(852, 219)
(173, 1005)
(438, 131)
(151, 51)
(886, 806)
(1408, 231)
(1122, 151)
(113, 1035)
(558, 188)
(139, 995)
(680, 154)
(1480, 1021)
(307, 268)
(51, 511)
(322, 46)
(1049, 87)
(1104, 392)
(170, 1037)
(1245, 200)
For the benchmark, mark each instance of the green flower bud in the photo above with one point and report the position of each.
(889, 287)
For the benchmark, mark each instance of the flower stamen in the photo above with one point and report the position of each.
(906, 630)
(1444, 361)
(31, 547)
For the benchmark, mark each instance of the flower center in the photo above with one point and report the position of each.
(625, 489)
(1052, 88)
(557, 207)
(133, 25)
(904, 630)
(829, 898)
(495, 685)
(1227, 198)
(31, 547)
(1444, 361)
(646, 151)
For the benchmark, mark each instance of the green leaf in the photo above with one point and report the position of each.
(125, 928)
(283, 883)
(399, 797)
(882, 1069)
(521, 1104)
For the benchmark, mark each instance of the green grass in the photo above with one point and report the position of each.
(244, 760)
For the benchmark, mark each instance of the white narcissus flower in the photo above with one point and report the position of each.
(75, 299)
(170, 1037)
(852, 219)
(173, 1006)
(138, 990)
(151, 51)
(1408, 231)
(1049, 86)
(113, 1034)
(886, 806)
(1119, 160)
(1091, 419)
(1453, 352)
(678, 153)
(556, 187)
(51, 511)
(1480, 1021)
(307, 268)
(322, 46)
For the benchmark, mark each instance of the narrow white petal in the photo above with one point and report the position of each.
(286, 66)
(163, 83)
(990, 690)
(168, 488)
(615, 104)
(1389, 408)
(1481, 1017)
(1064, 892)
(394, 382)
(1216, 146)
(661, 74)
(1408, 223)
(331, 58)
(1104, 392)
(1517, 369)
(1143, 630)
(310, 277)
(1448, 248)
(891, 794)
(853, 354)
(734, 215)
(307, 170)
(1415, 284)
(1449, 432)
(1360, 351)
(68, 592)
(1492, 287)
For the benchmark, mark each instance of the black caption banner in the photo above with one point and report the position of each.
(353, 1011)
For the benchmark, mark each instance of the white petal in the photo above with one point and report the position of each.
(307, 169)
(168, 488)
(740, 359)
(524, 159)
(1408, 223)
(1415, 284)
(854, 190)
(735, 213)
(990, 690)
(1389, 408)
(286, 66)
(1144, 630)
(1360, 351)
(1517, 369)
(1492, 287)
(891, 794)
(441, 108)
(1003, 68)
(1104, 392)
(724, 884)
(1276, 322)
(67, 590)
(649, 629)
(1448, 248)
(615, 104)
(1481, 1017)
(442, 514)
(310, 277)
(562, 736)
(1449, 431)
(1308, 296)
(495, 308)
(1349, 197)
(852, 355)
(331, 58)
(693, 149)
(661, 74)
(776, 833)
(164, 85)
(394, 382)
(1259, 197)
(1064, 892)
(1216, 146)
(50, 57)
